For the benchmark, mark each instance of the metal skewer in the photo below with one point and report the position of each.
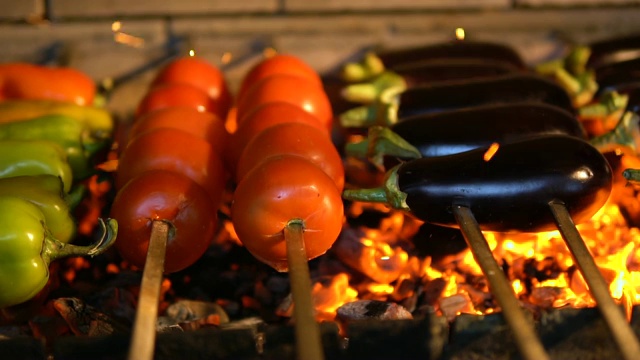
(308, 341)
(613, 316)
(524, 335)
(144, 330)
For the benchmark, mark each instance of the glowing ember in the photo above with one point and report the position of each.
(492, 150)
(460, 33)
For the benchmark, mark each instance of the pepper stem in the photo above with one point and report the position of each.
(576, 61)
(626, 133)
(387, 82)
(54, 249)
(389, 194)
(370, 66)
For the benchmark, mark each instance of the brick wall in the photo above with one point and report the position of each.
(325, 33)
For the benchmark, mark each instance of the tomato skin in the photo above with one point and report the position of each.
(200, 73)
(177, 151)
(263, 117)
(28, 81)
(288, 88)
(293, 139)
(178, 94)
(281, 189)
(164, 195)
(279, 64)
(204, 125)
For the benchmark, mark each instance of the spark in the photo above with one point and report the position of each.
(491, 151)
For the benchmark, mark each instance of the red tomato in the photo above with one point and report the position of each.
(278, 64)
(168, 196)
(262, 117)
(28, 81)
(204, 125)
(200, 73)
(293, 139)
(281, 189)
(178, 94)
(288, 88)
(177, 151)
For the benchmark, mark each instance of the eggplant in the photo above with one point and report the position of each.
(456, 131)
(454, 95)
(621, 76)
(497, 53)
(613, 50)
(508, 191)
(411, 75)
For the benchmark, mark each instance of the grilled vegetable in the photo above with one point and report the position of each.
(34, 157)
(178, 94)
(278, 64)
(47, 193)
(456, 131)
(198, 72)
(99, 121)
(28, 81)
(27, 248)
(373, 64)
(508, 190)
(280, 190)
(412, 75)
(608, 51)
(62, 130)
(457, 95)
(170, 197)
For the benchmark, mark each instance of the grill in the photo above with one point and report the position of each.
(257, 331)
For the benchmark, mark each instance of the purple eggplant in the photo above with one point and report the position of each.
(509, 190)
(512, 88)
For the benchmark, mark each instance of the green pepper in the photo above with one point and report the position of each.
(27, 248)
(46, 192)
(34, 157)
(62, 130)
(98, 120)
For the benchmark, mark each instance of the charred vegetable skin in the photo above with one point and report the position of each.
(504, 89)
(453, 132)
(455, 49)
(511, 191)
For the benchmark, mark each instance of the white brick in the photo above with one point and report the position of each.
(115, 8)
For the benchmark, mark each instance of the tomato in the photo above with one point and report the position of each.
(168, 196)
(178, 94)
(281, 189)
(288, 88)
(200, 73)
(28, 81)
(262, 117)
(177, 151)
(204, 125)
(293, 139)
(278, 64)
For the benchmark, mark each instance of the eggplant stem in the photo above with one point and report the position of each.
(54, 249)
(369, 67)
(379, 88)
(632, 176)
(357, 149)
(384, 142)
(626, 133)
(389, 194)
(365, 116)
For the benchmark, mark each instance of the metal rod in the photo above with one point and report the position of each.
(524, 335)
(620, 328)
(144, 331)
(308, 341)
